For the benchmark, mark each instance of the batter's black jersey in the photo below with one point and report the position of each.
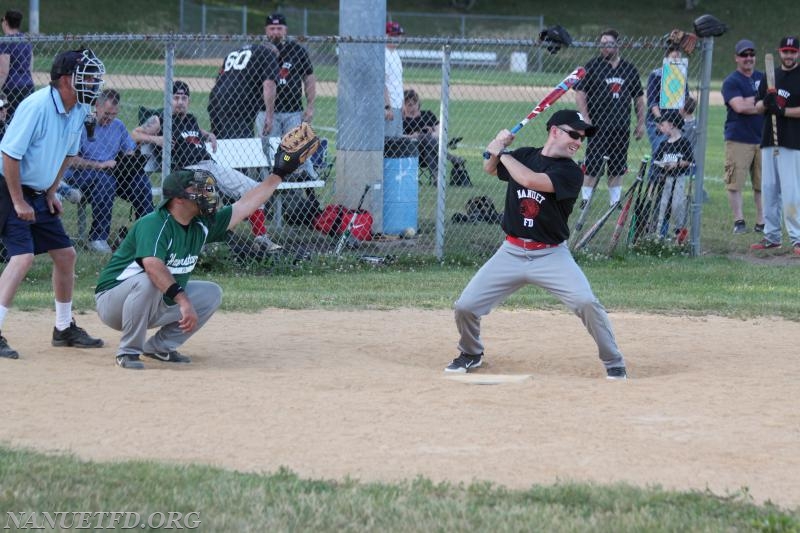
(239, 89)
(294, 65)
(672, 152)
(541, 216)
(788, 84)
(609, 92)
(188, 147)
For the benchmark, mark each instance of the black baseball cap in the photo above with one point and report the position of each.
(175, 185)
(276, 19)
(789, 43)
(66, 63)
(180, 87)
(573, 119)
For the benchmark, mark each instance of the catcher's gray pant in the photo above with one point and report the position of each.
(282, 123)
(553, 269)
(136, 305)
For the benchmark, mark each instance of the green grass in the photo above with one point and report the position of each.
(281, 501)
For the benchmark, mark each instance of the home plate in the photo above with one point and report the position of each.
(489, 379)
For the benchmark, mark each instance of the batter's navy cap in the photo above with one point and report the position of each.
(573, 119)
(276, 19)
(180, 87)
(745, 44)
(790, 44)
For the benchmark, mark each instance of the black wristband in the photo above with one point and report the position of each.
(173, 290)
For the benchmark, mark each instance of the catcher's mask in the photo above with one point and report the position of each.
(196, 185)
(87, 73)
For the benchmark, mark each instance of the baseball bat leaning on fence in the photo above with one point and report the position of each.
(769, 66)
(347, 230)
(683, 229)
(551, 97)
(623, 216)
(585, 209)
(591, 232)
(638, 219)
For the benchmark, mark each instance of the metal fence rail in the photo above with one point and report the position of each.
(427, 196)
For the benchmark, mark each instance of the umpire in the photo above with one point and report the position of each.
(543, 184)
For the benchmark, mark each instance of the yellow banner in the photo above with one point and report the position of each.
(673, 83)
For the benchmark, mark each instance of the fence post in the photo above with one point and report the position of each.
(166, 126)
(244, 20)
(441, 178)
(702, 137)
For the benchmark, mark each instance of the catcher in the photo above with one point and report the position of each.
(146, 283)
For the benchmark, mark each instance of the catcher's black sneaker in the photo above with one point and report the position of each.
(464, 363)
(616, 373)
(7, 351)
(171, 356)
(130, 361)
(75, 337)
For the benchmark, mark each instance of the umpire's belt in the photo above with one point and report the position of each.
(528, 244)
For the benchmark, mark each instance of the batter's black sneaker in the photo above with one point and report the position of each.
(464, 363)
(75, 337)
(7, 351)
(616, 373)
(171, 356)
(130, 361)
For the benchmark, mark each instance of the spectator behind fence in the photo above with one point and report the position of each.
(295, 75)
(604, 99)
(424, 127)
(16, 60)
(35, 151)
(393, 84)
(780, 170)
(654, 100)
(743, 125)
(94, 171)
(245, 84)
(188, 150)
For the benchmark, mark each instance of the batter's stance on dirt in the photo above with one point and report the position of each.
(146, 282)
(543, 184)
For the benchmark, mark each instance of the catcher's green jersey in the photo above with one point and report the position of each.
(159, 235)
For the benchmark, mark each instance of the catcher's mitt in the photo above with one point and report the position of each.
(554, 38)
(296, 146)
(709, 26)
(682, 40)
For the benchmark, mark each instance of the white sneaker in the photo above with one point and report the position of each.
(266, 243)
(100, 246)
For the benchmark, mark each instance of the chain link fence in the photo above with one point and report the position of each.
(427, 194)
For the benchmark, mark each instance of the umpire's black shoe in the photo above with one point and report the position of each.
(464, 363)
(617, 373)
(130, 361)
(75, 337)
(172, 356)
(7, 351)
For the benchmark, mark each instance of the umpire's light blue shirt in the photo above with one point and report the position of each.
(41, 134)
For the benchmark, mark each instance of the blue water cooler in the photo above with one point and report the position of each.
(400, 185)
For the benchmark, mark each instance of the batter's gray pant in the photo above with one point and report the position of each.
(552, 269)
(136, 305)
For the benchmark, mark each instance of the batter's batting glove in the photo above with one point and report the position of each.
(772, 105)
(709, 26)
(296, 146)
(554, 38)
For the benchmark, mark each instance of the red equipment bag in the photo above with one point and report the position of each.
(334, 220)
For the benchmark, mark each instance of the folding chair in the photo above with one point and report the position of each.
(321, 161)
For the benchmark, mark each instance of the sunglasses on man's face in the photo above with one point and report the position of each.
(572, 133)
(747, 54)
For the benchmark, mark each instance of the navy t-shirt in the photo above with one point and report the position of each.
(742, 128)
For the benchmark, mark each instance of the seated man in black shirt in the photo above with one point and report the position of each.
(424, 127)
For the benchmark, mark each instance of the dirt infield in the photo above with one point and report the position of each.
(712, 402)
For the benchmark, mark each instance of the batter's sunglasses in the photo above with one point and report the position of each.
(572, 133)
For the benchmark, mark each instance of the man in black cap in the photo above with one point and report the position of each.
(543, 184)
(45, 133)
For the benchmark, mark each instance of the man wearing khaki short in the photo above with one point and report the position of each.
(743, 126)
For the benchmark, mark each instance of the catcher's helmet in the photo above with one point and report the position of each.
(86, 69)
(202, 185)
